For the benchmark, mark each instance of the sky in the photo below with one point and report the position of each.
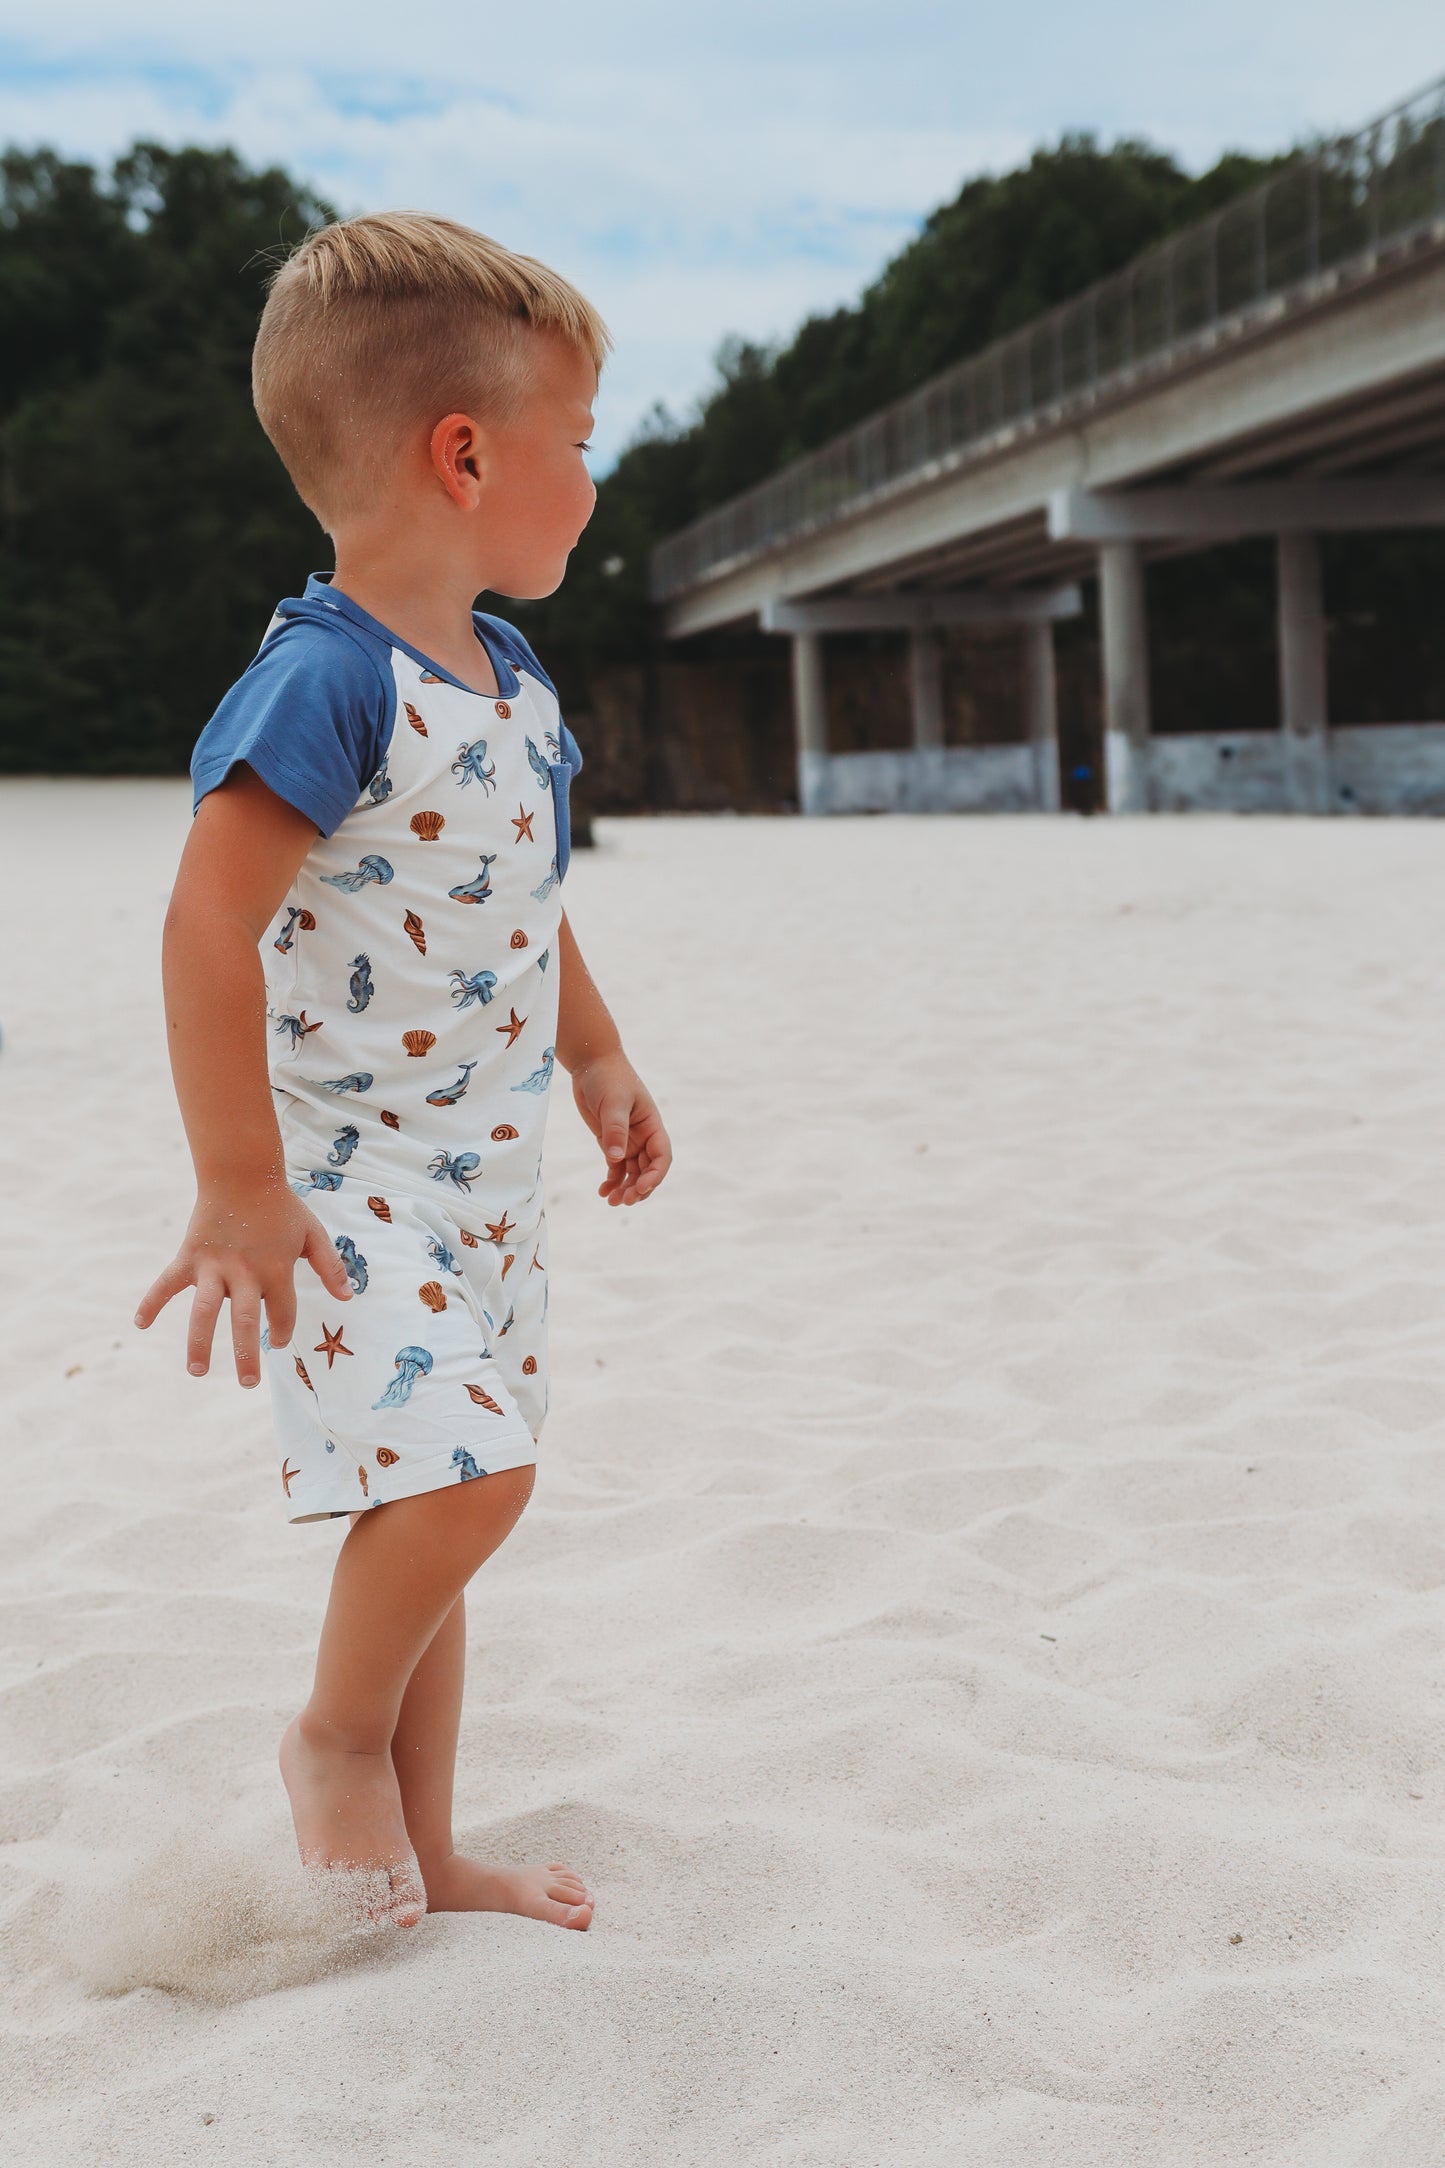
(702, 168)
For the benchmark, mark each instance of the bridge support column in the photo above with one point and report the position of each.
(925, 680)
(1125, 627)
(810, 722)
(1303, 692)
(1041, 702)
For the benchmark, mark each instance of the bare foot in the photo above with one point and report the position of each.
(349, 1825)
(552, 1893)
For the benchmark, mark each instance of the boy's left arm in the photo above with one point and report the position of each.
(611, 1097)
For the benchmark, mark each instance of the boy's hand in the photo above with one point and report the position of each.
(242, 1247)
(622, 1115)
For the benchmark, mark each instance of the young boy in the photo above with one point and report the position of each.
(381, 805)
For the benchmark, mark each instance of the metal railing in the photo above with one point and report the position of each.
(1333, 213)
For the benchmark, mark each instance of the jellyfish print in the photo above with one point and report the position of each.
(359, 1080)
(361, 986)
(297, 1026)
(553, 877)
(354, 1262)
(539, 1080)
(411, 1363)
(347, 1140)
(479, 988)
(479, 890)
(472, 765)
(539, 766)
(467, 1469)
(459, 1168)
(367, 869)
(441, 1256)
(447, 1095)
(379, 789)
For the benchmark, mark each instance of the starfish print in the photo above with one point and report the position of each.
(330, 1344)
(522, 822)
(534, 1266)
(288, 1475)
(498, 1230)
(510, 1030)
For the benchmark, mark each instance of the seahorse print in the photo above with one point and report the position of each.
(466, 1466)
(297, 1026)
(361, 986)
(367, 869)
(477, 988)
(471, 765)
(539, 1080)
(411, 1363)
(347, 1140)
(354, 1262)
(460, 1168)
(447, 1095)
(479, 890)
(360, 1080)
(539, 766)
(553, 877)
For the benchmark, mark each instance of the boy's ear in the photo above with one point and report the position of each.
(458, 457)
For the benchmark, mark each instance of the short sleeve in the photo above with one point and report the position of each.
(312, 716)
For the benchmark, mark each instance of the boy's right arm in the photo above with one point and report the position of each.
(248, 1228)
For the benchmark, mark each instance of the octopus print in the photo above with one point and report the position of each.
(553, 744)
(298, 1027)
(459, 1168)
(359, 1080)
(296, 919)
(361, 986)
(354, 1262)
(539, 1080)
(467, 1468)
(479, 987)
(539, 766)
(553, 877)
(367, 869)
(479, 890)
(347, 1140)
(471, 765)
(447, 1095)
(411, 1363)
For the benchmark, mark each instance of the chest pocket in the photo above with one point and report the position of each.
(562, 808)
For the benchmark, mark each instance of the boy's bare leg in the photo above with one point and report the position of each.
(398, 1574)
(424, 1752)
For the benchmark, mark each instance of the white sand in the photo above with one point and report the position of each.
(979, 1627)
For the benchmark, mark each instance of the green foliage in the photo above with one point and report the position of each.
(146, 526)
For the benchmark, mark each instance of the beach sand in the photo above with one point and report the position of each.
(979, 1626)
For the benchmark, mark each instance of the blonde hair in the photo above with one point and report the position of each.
(379, 323)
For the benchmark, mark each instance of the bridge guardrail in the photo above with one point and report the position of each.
(1340, 210)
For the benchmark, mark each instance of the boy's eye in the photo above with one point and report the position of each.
(585, 447)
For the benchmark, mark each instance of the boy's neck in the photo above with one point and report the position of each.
(425, 604)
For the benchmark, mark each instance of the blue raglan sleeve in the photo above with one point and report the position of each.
(312, 716)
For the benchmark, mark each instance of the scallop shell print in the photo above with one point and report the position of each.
(428, 826)
(433, 1294)
(418, 1042)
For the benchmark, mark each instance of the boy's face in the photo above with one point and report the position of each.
(538, 494)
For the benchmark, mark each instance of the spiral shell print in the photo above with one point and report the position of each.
(529, 1367)
(484, 1399)
(519, 939)
(433, 1294)
(414, 719)
(301, 1373)
(416, 932)
(503, 1133)
(504, 711)
(469, 1240)
(427, 826)
(306, 920)
(418, 1042)
(380, 1207)
(385, 1458)
(392, 1121)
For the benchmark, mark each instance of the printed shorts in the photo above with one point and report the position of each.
(434, 1372)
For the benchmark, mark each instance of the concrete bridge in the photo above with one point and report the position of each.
(1278, 369)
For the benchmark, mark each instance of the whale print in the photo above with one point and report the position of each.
(479, 890)
(471, 765)
(354, 1262)
(460, 1168)
(411, 1363)
(477, 988)
(297, 1026)
(540, 1078)
(440, 1255)
(369, 868)
(447, 1095)
(297, 920)
(467, 1467)
(360, 1080)
(379, 789)
(361, 986)
(539, 766)
(347, 1140)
